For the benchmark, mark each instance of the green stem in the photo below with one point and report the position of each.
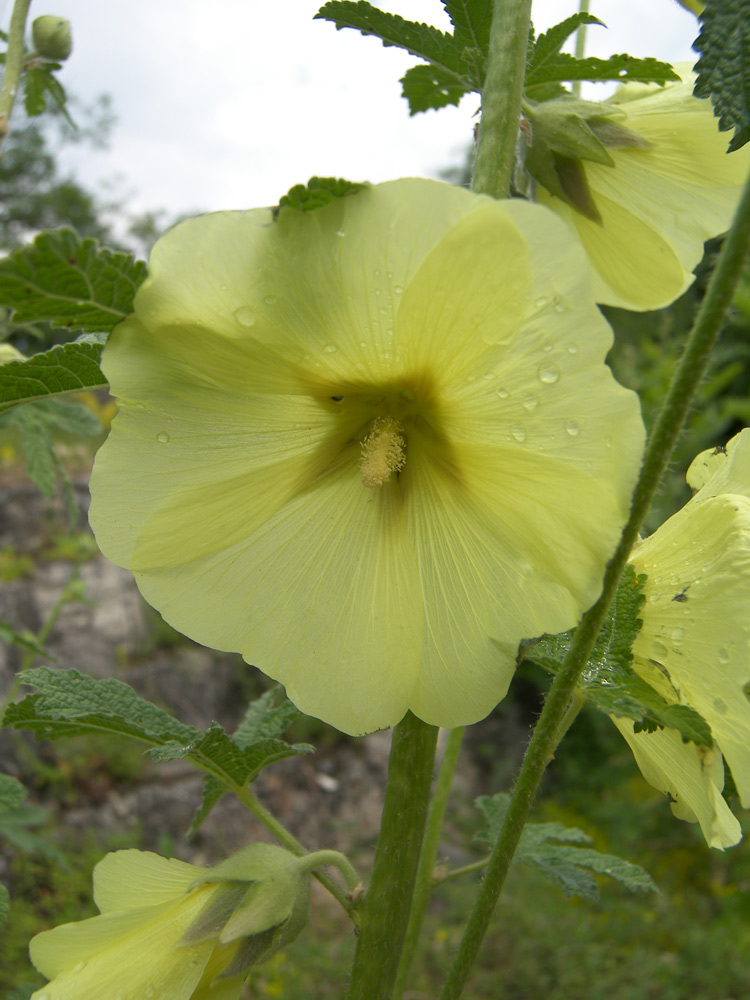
(387, 903)
(475, 866)
(580, 51)
(425, 883)
(549, 730)
(14, 60)
(248, 798)
(317, 858)
(501, 98)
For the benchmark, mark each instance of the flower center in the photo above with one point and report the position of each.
(382, 452)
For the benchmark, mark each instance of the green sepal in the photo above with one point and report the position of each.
(318, 191)
(547, 847)
(609, 682)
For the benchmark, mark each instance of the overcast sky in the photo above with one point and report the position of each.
(228, 103)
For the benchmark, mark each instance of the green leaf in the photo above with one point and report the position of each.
(40, 83)
(68, 368)
(421, 40)
(12, 793)
(16, 819)
(562, 66)
(27, 642)
(724, 65)
(471, 20)
(213, 791)
(609, 682)
(546, 847)
(4, 904)
(70, 704)
(69, 282)
(318, 191)
(427, 87)
(267, 716)
(547, 46)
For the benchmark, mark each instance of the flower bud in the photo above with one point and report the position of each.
(52, 37)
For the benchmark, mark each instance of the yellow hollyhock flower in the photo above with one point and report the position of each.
(370, 447)
(171, 929)
(694, 645)
(659, 201)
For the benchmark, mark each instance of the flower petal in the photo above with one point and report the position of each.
(722, 470)
(324, 597)
(129, 880)
(690, 776)
(694, 644)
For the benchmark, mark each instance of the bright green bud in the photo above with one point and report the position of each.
(52, 37)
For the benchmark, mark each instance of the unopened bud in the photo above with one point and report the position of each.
(52, 37)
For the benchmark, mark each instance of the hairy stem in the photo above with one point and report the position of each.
(501, 98)
(549, 729)
(13, 63)
(388, 901)
(430, 844)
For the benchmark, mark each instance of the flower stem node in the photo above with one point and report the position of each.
(52, 37)
(382, 452)
(170, 929)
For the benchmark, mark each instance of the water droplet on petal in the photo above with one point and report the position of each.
(519, 432)
(330, 348)
(245, 316)
(530, 402)
(723, 655)
(678, 634)
(572, 428)
(559, 307)
(149, 991)
(162, 437)
(78, 968)
(659, 649)
(720, 706)
(541, 301)
(572, 348)
(270, 300)
(548, 373)
(340, 232)
(503, 393)
(398, 289)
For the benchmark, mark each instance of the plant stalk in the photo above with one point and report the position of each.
(13, 63)
(387, 903)
(549, 730)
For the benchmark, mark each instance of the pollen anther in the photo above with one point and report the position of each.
(382, 452)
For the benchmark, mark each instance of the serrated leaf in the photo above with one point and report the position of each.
(12, 793)
(724, 65)
(421, 40)
(562, 66)
(61, 370)
(69, 282)
(40, 83)
(547, 46)
(471, 20)
(23, 640)
(609, 682)
(213, 791)
(547, 847)
(318, 191)
(267, 716)
(4, 904)
(427, 88)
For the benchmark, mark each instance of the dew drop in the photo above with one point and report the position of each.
(548, 373)
(162, 437)
(547, 347)
(723, 655)
(678, 634)
(378, 291)
(559, 307)
(572, 348)
(398, 289)
(530, 402)
(78, 968)
(488, 376)
(572, 428)
(245, 316)
(340, 232)
(519, 432)
(659, 649)
(149, 991)
(503, 393)
(270, 300)
(383, 311)
(541, 301)
(720, 706)
(330, 348)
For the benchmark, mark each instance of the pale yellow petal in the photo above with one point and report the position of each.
(722, 470)
(694, 645)
(129, 880)
(691, 777)
(324, 597)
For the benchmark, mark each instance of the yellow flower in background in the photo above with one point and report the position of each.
(694, 645)
(662, 197)
(171, 929)
(370, 447)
